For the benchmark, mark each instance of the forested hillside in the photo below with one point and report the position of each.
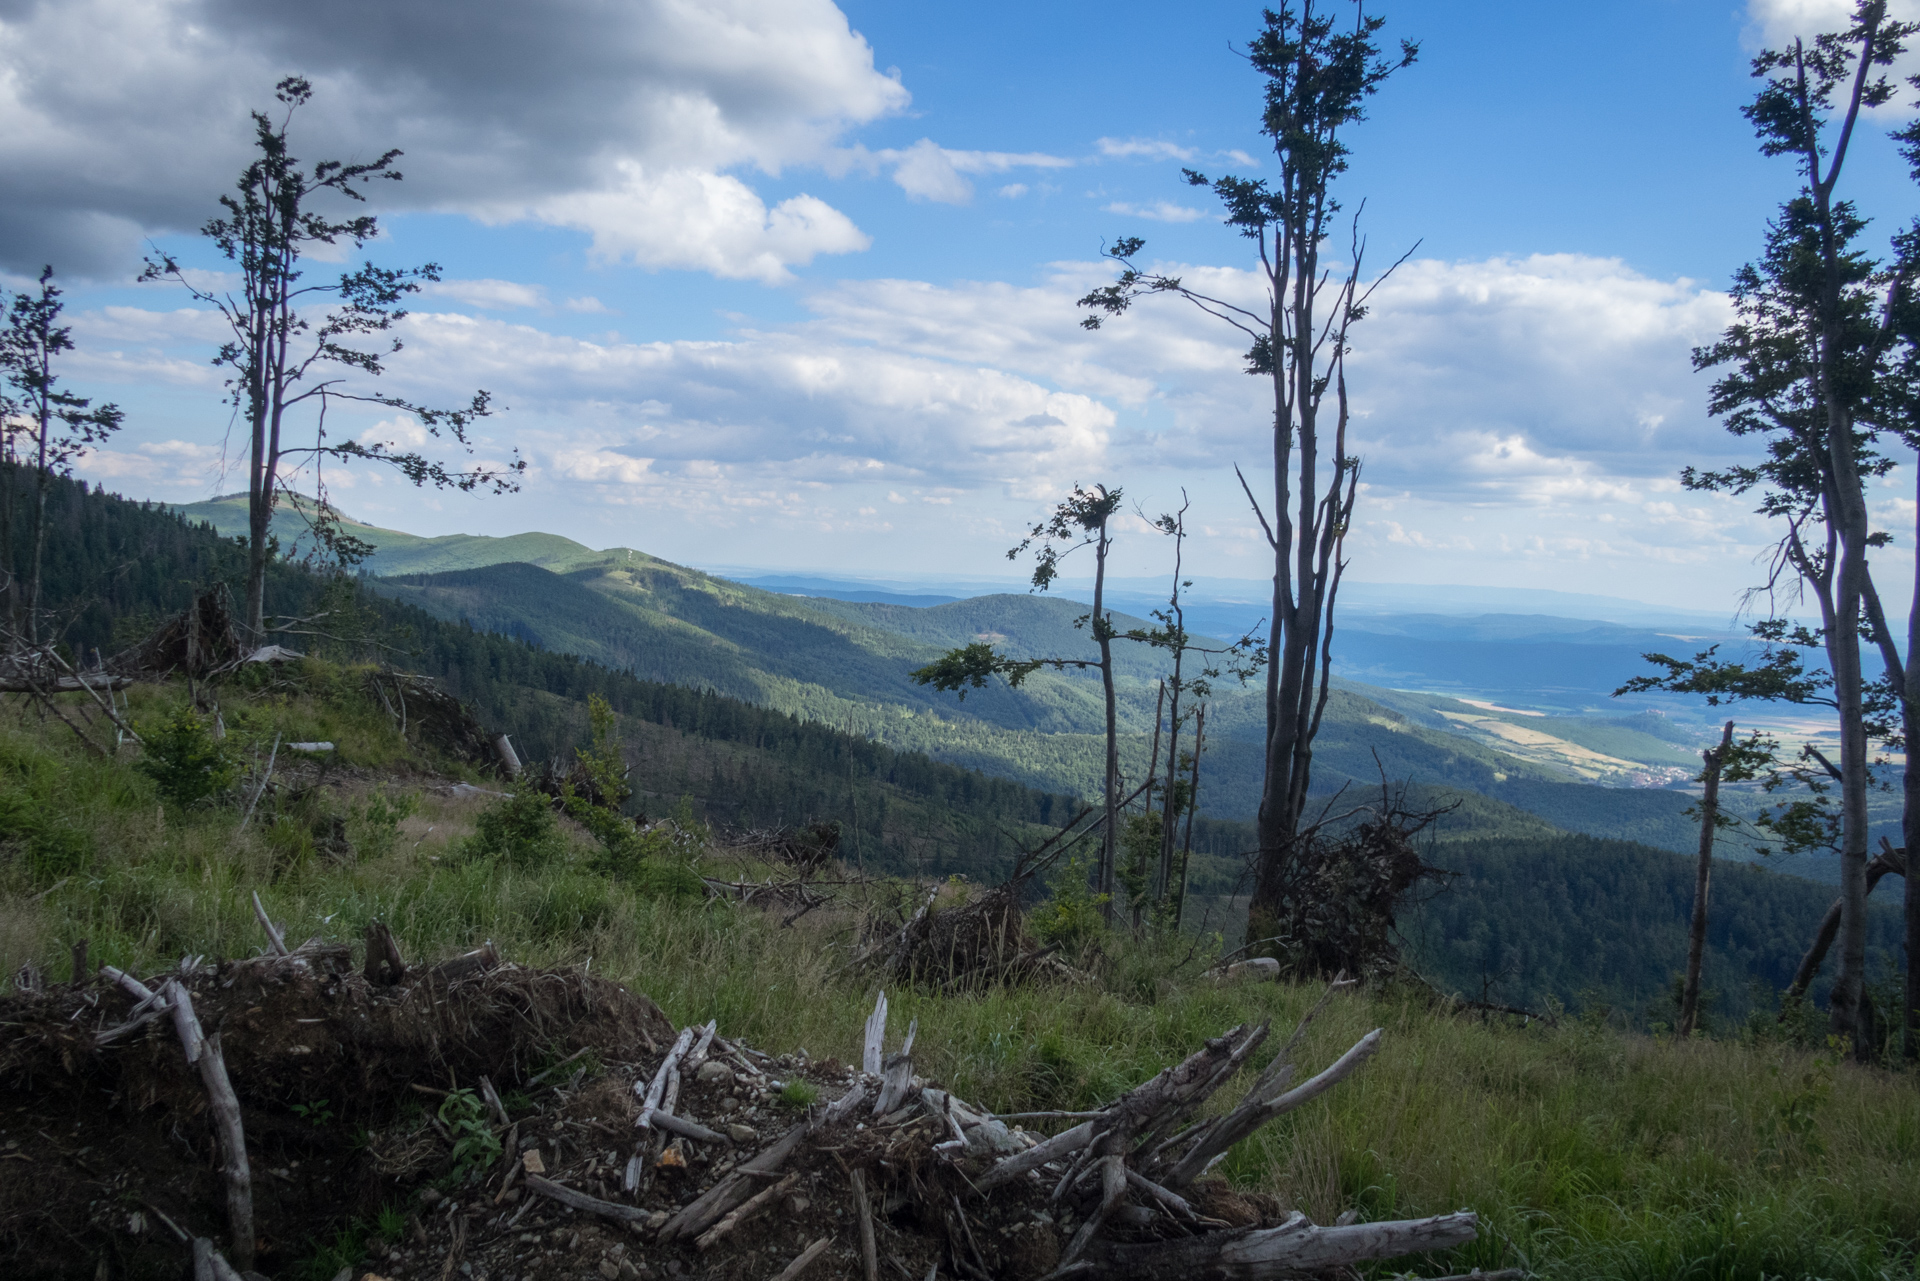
(1524, 914)
(1592, 922)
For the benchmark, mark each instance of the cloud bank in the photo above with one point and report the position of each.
(124, 118)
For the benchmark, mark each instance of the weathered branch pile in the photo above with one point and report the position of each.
(544, 1124)
(1335, 914)
(433, 716)
(200, 640)
(805, 849)
(964, 945)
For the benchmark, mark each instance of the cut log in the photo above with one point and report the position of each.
(62, 684)
(1294, 1247)
(275, 939)
(581, 1201)
(385, 967)
(745, 1210)
(204, 1052)
(314, 955)
(863, 1215)
(1060, 1145)
(687, 1129)
(698, 1054)
(874, 1048)
(657, 1088)
(805, 1258)
(479, 961)
(732, 1190)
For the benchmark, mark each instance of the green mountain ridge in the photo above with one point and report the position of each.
(848, 664)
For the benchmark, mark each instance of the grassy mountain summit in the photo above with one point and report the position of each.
(395, 552)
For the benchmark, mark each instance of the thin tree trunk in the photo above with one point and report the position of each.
(1905, 675)
(1109, 840)
(45, 425)
(1846, 513)
(1697, 936)
(1193, 804)
(1141, 873)
(1847, 1006)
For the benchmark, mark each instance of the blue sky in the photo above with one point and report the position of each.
(774, 283)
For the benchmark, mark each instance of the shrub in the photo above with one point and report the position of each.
(518, 829)
(47, 843)
(374, 827)
(185, 761)
(1071, 919)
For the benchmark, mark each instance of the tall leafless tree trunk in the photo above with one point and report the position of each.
(1697, 934)
(1103, 637)
(1319, 71)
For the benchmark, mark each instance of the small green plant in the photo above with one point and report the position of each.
(475, 1145)
(1794, 1103)
(317, 1113)
(374, 826)
(518, 829)
(185, 761)
(391, 1223)
(798, 1094)
(344, 1250)
(602, 760)
(1071, 919)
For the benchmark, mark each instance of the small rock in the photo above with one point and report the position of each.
(742, 1133)
(610, 1270)
(729, 1103)
(430, 1196)
(657, 1220)
(797, 1205)
(714, 1070)
(628, 1272)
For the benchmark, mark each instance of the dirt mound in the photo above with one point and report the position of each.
(493, 1123)
(101, 1145)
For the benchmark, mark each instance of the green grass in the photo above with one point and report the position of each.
(1591, 1152)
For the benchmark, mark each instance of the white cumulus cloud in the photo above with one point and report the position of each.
(120, 118)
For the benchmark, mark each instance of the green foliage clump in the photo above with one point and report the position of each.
(374, 826)
(519, 830)
(656, 859)
(184, 760)
(1071, 920)
(798, 1094)
(475, 1145)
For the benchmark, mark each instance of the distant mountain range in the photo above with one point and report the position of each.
(841, 654)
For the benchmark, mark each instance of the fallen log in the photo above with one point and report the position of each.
(581, 1201)
(204, 1052)
(1296, 1246)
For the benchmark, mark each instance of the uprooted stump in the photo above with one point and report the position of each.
(975, 943)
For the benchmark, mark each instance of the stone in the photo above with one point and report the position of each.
(742, 1133)
(610, 1270)
(714, 1071)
